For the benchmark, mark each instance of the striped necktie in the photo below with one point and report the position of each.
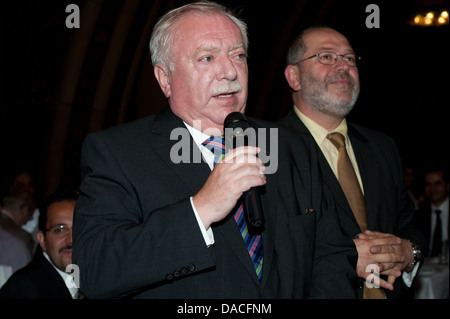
(216, 144)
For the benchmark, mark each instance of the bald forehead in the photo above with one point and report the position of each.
(326, 39)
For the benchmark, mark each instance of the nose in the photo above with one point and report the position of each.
(227, 70)
(341, 65)
(68, 235)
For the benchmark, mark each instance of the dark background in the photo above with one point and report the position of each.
(59, 84)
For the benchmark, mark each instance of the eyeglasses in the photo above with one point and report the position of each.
(59, 230)
(330, 58)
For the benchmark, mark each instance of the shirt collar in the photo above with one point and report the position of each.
(73, 291)
(443, 207)
(198, 136)
(318, 132)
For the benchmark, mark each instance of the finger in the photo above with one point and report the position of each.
(393, 272)
(386, 284)
(389, 269)
(240, 151)
(383, 283)
(376, 233)
(381, 240)
(382, 249)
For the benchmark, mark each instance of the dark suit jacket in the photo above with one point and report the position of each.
(422, 218)
(389, 208)
(38, 280)
(135, 233)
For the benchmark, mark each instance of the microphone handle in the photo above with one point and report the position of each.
(253, 208)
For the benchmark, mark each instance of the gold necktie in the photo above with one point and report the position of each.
(352, 190)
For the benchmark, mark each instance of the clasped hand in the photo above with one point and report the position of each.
(390, 253)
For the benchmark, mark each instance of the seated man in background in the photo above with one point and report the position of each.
(45, 277)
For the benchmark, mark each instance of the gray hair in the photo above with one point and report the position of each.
(161, 40)
(18, 200)
(298, 46)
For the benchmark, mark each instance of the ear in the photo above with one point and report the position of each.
(40, 238)
(292, 74)
(163, 77)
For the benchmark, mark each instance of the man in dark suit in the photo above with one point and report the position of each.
(155, 217)
(322, 72)
(432, 216)
(45, 276)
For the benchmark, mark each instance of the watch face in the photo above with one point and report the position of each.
(417, 253)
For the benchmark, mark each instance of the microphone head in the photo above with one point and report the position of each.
(235, 126)
(236, 120)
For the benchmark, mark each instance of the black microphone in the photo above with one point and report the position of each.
(235, 126)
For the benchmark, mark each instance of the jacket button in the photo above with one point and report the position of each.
(191, 267)
(183, 271)
(169, 277)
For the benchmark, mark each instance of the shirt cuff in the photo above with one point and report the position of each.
(208, 235)
(408, 277)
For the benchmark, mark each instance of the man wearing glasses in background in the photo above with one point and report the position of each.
(45, 277)
(323, 75)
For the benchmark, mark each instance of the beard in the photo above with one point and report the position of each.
(338, 101)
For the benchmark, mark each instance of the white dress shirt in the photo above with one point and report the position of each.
(199, 137)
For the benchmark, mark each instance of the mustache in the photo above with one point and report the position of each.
(341, 76)
(229, 87)
(64, 248)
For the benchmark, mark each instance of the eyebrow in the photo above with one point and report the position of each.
(334, 50)
(237, 46)
(212, 49)
(60, 224)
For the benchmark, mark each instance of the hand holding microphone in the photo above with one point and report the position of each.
(235, 177)
(235, 126)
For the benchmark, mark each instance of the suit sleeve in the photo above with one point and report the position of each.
(407, 228)
(120, 249)
(334, 275)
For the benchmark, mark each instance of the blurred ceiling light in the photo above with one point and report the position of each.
(430, 18)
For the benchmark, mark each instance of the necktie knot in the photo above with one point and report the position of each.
(337, 139)
(216, 144)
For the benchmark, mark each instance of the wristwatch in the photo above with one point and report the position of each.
(417, 254)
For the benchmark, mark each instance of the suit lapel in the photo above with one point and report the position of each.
(52, 276)
(369, 173)
(341, 201)
(328, 176)
(193, 175)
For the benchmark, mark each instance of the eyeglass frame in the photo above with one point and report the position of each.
(357, 58)
(64, 227)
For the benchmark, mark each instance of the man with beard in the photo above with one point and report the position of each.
(45, 277)
(323, 75)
